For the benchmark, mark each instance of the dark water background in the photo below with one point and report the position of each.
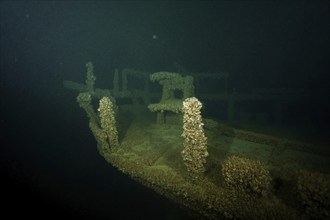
(49, 160)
